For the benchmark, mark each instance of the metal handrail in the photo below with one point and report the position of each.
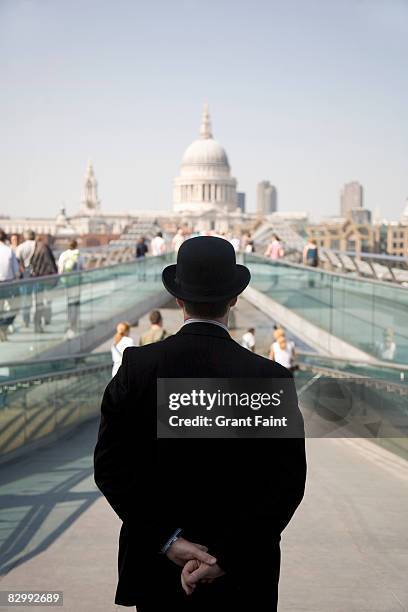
(378, 383)
(377, 363)
(37, 279)
(318, 270)
(365, 255)
(54, 359)
(52, 375)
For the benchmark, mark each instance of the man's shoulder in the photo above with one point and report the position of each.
(235, 356)
(262, 365)
(146, 351)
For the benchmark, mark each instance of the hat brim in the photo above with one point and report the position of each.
(237, 286)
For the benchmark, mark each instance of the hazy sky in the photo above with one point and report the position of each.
(306, 93)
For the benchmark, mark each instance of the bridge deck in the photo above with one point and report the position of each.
(244, 316)
(346, 548)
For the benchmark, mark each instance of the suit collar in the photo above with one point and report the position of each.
(211, 321)
(201, 328)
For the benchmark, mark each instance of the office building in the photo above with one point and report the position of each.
(241, 200)
(266, 198)
(351, 197)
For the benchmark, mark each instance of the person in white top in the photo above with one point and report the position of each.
(9, 268)
(70, 260)
(158, 244)
(121, 341)
(25, 251)
(235, 241)
(283, 352)
(248, 340)
(9, 271)
(388, 347)
(178, 240)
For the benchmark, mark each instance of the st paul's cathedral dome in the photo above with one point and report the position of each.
(205, 181)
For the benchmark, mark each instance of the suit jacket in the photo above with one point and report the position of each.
(233, 495)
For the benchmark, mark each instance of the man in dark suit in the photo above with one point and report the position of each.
(210, 509)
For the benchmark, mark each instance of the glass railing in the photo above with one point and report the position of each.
(394, 373)
(339, 398)
(368, 314)
(38, 314)
(45, 399)
(38, 367)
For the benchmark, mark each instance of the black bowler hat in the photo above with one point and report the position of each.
(206, 271)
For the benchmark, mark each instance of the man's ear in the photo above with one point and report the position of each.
(180, 303)
(233, 301)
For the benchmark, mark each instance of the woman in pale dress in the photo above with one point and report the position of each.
(283, 352)
(121, 341)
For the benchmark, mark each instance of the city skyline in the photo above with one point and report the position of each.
(319, 104)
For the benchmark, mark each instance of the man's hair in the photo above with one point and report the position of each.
(251, 330)
(29, 235)
(159, 235)
(73, 244)
(155, 317)
(3, 236)
(207, 310)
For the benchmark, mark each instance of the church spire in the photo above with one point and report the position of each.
(90, 202)
(89, 170)
(205, 129)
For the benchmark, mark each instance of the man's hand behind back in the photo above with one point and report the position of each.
(195, 571)
(182, 551)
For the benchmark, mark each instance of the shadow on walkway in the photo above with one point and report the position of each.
(42, 494)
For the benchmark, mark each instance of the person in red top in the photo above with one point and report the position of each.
(275, 249)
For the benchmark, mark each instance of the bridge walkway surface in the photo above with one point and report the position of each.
(345, 550)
